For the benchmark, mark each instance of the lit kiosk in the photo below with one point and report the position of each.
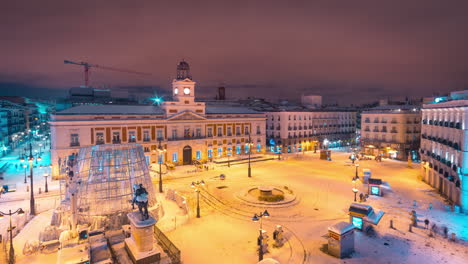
(375, 187)
(341, 239)
(362, 216)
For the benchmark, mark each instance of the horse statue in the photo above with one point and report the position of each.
(140, 197)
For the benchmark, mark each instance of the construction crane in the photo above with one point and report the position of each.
(87, 66)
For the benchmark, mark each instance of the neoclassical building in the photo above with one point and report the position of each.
(392, 131)
(444, 145)
(185, 128)
(290, 131)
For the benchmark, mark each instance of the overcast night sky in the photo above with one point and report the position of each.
(348, 51)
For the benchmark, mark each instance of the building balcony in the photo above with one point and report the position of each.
(74, 144)
(99, 142)
(116, 141)
(185, 138)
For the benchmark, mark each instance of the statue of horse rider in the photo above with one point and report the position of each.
(140, 197)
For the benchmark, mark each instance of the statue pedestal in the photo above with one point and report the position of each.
(140, 245)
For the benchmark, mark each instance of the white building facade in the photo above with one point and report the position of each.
(297, 131)
(185, 129)
(444, 145)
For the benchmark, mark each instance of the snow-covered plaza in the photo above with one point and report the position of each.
(320, 193)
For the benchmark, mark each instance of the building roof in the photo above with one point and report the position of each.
(210, 109)
(341, 227)
(361, 208)
(375, 181)
(393, 109)
(112, 110)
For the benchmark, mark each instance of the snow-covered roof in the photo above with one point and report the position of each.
(375, 181)
(229, 110)
(364, 209)
(374, 218)
(341, 227)
(112, 110)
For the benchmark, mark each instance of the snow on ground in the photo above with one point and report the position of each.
(226, 234)
(324, 190)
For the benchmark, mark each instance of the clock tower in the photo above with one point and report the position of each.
(183, 87)
(183, 92)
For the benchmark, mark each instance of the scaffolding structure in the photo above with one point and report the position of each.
(103, 183)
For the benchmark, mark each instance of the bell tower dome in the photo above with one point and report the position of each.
(183, 71)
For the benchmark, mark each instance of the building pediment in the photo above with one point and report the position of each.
(187, 115)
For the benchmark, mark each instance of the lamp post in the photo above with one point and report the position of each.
(161, 150)
(31, 160)
(197, 190)
(25, 169)
(46, 187)
(279, 154)
(256, 218)
(249, 170)
(356, 175)
(355, 190)
(11, 258)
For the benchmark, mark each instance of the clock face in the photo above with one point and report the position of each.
(176, 91)
(186, 91)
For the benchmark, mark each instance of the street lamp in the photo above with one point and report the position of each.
(161, 150)
(25, 169)
(355, 190)
(19, 211)
(46, 187)
(249, 173)
(256, 218)
(197, 190)
(31, 160)
(356, 175)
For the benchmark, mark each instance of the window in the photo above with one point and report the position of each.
(187, 133)
(74, 140)
(131, 136)
(259, 147)
(115, 137)
(229, 151)
(146, 136)
(220, 131)
(229, 131)
(147, 158)
(159, 134)
(174, 133)
(238, 150)
(238, 131)
(160, 158)
(258, 130)
(220, 152)
(246, 149)
(99, 138)
(210, 132)
(210, 153)
(174, 157)
(198, 154)
(198, 132)
(246, 130)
